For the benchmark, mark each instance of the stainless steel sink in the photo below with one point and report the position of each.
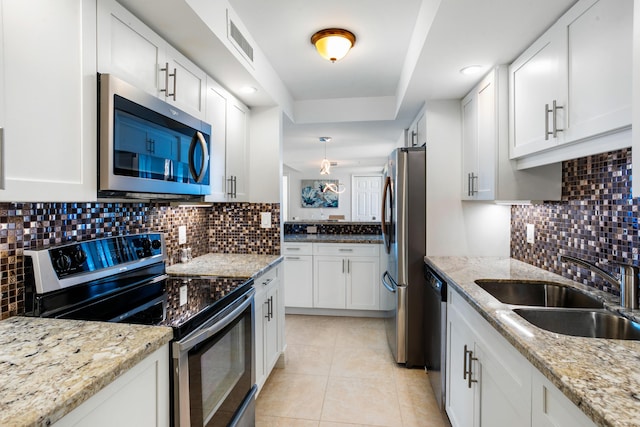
(538, 293)
(582, 323)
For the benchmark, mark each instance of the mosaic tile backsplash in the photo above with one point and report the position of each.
(41, 225)
(597, 220)
(333, 228)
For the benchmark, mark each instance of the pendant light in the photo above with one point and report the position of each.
(325, 165)
(330, 186)
(333, 43)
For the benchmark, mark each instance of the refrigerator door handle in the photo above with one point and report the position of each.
(390, 287)
(383, 216)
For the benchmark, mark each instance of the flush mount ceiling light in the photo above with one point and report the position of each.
(471, 69)
(248, 89)
(325, 165)
(333, 43)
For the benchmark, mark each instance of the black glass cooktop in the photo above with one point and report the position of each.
(191, 301)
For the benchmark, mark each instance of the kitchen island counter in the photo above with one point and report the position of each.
(48, 367)
(597, 375)
(225, 265)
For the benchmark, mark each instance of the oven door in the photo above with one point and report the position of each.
(214, 381)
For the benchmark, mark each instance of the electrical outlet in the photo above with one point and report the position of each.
(183, 295)
(530, 234)
(265, 219)
(182, 234)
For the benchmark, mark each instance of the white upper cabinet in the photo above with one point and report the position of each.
(49, 98)
(229, 145)
(487, 171)
(216, 116)
(238, 151)
(574, 82)
(133, 52)
(537, 80)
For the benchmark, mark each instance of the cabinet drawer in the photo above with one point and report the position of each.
(297, 249)
(266, 278)
(341, 249)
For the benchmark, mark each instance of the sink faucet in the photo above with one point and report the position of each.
(629, 282)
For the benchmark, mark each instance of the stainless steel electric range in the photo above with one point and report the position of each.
(122, 279)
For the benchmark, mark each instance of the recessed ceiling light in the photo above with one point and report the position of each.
(248, 89)
(471, 69)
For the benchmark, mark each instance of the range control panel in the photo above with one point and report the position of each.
(93, 255)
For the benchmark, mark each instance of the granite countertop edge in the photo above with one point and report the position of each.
(226, 265)
(50, 341)
(591, 372)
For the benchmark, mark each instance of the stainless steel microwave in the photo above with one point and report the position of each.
(147, 146)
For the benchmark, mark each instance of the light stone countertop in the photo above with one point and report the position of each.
(48, 367)
(225, 265)
(334, 238)
(602, 377)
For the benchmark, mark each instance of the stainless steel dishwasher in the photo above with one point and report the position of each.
(435, 330)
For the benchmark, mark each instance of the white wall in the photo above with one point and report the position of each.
(344, 200)
(454, 227)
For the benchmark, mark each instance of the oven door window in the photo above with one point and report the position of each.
(220, 374)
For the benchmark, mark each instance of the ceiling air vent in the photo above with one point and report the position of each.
(241, 43)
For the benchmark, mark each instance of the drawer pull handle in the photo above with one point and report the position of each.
(293, 257)
(345, 250)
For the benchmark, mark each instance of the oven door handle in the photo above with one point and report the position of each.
(202, 335)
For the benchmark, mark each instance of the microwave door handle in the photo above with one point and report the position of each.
(198, 138)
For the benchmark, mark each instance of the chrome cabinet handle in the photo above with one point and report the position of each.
(292, 249)
(293, 257)
(232, 186)
(175, 82)
(471, 187)
(266, 316)
(546, 122)
(348, 266)
(464, 369)
(166, 81)
(555, 117)
(343, 265)
(266, 282)
(345, 250)
(468, 371)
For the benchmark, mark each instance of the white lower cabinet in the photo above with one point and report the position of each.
(346, 276)
(332, 275)
(269, 323)
(298, 274)
(551, 408)
(489, 383)
(138, 398)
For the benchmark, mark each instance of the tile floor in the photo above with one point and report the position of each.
(339, 372)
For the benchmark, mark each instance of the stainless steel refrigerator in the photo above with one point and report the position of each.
(404, 230)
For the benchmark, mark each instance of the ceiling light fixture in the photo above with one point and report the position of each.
(471, 70)
(325, 165)
(330, 186)
(333, 43)
(248, 89)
